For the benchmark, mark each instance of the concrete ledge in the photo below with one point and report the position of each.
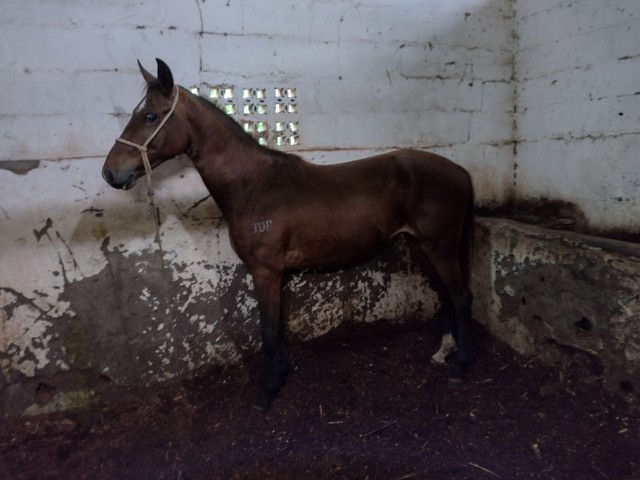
(542, 291)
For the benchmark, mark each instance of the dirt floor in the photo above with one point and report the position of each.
(363, 402)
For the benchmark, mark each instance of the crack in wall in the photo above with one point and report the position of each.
(200, 34)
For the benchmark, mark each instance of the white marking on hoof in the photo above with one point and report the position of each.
(447, 345)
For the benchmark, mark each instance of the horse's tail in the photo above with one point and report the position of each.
(466, 241)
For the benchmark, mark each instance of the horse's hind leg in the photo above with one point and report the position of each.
(441, 262)
(462, 314)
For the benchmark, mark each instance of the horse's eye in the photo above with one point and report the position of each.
(150, 118)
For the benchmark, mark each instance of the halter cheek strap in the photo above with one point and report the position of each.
(145, 157)
(143, 148)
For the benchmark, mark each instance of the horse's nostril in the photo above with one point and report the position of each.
(108, 176)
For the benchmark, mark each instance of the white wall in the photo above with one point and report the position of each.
(89, 284)
(371, 75)
(577, 75)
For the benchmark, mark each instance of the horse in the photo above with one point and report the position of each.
(287, 214)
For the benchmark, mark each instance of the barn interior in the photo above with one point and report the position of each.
(102, 292)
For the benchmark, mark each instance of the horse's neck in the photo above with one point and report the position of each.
(228, 162)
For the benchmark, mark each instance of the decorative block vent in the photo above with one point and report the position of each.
(269, 114)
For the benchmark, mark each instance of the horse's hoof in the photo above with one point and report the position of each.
(455, 382)
(438, 360)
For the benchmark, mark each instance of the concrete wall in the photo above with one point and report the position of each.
(577, 66)
(562, 297)
(92, 292)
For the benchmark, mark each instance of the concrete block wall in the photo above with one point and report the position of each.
(370, 76)
(577, 65)
(92, 292)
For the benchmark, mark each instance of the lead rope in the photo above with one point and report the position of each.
(145, 157)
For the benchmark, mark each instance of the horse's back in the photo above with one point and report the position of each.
(404, 166)
(430, 169)
(396, 190)
(414, 178)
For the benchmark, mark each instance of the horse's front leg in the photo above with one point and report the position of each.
(268, 287)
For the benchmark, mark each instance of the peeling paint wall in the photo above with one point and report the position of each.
(577, 65)
(96, 295)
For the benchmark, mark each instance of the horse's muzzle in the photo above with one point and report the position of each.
(121, 180)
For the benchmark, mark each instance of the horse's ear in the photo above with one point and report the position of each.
(165, 77)
(147, 76)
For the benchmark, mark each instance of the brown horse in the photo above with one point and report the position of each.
(287, 214)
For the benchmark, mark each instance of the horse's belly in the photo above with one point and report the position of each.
(330, 246)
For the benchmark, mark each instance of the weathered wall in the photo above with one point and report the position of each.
(91, 291)
(542, 290)
(538, 103)
(577, 66)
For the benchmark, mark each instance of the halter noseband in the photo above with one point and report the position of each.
(143, 148)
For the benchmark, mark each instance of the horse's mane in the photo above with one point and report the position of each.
(234, 125)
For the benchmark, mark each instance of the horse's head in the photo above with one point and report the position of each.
(154, 133)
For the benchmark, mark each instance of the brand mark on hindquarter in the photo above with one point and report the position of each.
(261, 227)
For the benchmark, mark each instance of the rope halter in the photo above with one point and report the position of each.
(143, 148)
